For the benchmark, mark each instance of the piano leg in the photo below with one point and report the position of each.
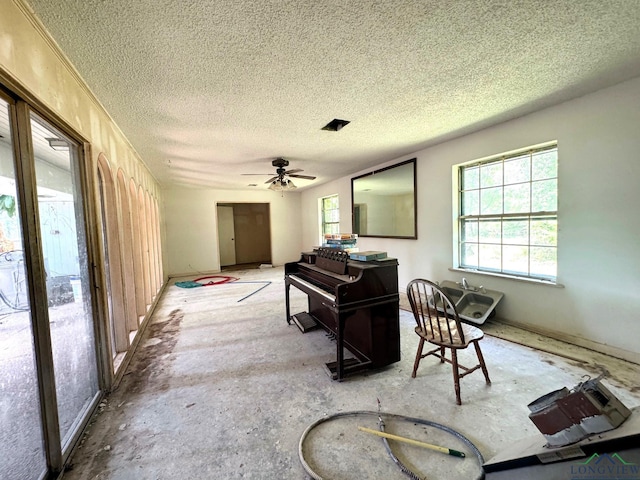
(340, 347)
(287, 287)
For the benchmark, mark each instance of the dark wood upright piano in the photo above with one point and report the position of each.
(358, 302)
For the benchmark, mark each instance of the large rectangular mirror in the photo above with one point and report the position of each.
(384, 202)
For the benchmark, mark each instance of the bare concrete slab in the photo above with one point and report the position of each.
(222, 387)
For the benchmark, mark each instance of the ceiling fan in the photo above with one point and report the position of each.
(280, 181)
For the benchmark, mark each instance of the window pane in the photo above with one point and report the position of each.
(544, 196)
(545, 164)
(330, 228)
(470, 231)
(470, 178)
(471, 202)
(491, 174)
(516, 259)
(544, 261)
(517, 170)
(491, 201)
(469, 255)
(490, 257)
(331, 216)
(515, 231)
(544, 232)
(516, 198)
(490, 231)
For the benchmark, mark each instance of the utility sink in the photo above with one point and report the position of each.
(473, 304)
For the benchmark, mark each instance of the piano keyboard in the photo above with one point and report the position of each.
(308, 287)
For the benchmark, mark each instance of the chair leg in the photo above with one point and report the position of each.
(441, 354)
(456, 375)
(482, 364)
(418, 356)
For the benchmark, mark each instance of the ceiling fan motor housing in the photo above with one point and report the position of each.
(280, 163)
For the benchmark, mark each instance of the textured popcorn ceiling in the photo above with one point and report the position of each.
(208, 89)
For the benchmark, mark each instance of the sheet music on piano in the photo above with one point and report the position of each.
(356, 302)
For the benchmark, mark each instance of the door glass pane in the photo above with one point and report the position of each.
(21, 441)
(64, 252)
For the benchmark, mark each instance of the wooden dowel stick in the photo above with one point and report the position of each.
(390, 436)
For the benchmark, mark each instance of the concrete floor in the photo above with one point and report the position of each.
(221, 387)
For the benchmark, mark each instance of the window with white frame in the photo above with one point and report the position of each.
(330, 215)
(508, 214)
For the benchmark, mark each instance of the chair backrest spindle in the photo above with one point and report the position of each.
(435, 312)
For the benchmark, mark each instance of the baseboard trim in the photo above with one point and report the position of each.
(622, 354)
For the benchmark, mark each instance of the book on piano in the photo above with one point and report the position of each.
(368, 255)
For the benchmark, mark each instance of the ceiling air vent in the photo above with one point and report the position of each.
(335, 125)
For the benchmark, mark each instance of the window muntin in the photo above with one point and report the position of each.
(508, 220)
(330, 215)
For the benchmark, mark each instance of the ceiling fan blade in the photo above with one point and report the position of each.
(307, 177)
(272, 179)
(295, 170)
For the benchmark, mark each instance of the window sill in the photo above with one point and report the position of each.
(534, 281)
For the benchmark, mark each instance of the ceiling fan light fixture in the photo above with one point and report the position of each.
(282, 184)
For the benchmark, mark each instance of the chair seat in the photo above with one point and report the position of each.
(471, 334)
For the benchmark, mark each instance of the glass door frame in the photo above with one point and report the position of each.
(21, 106)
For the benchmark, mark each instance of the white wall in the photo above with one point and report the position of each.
(192, 226)
(599, 223)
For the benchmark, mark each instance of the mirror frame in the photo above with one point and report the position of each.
(384, 173)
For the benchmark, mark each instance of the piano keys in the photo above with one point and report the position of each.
(357, 302)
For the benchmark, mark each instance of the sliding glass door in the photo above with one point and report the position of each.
(49, 375)
(22, 453)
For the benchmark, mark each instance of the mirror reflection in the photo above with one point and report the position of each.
(384, 202)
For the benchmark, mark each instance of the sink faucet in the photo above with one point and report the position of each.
(466, 286)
